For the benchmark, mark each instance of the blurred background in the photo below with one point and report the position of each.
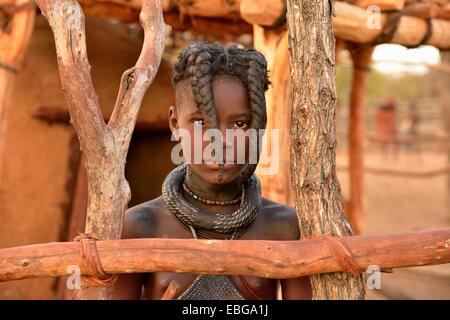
(406, 156)
(403, 176)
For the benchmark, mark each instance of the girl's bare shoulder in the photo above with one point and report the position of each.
(152, 219)
(280, 219)
(141, 220)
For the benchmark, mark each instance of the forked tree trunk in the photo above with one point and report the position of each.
(317, 192)
(104, 146)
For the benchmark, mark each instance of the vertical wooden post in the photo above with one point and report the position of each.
(273, 43)
(13, 46)
(318, 198)
(444, 87)
(361, 57)
(104, 146)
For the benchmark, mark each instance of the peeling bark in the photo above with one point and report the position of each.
(316, 188)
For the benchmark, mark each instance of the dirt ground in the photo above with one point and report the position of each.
(404, 204)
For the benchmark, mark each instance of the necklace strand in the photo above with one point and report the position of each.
(211, 202)
(205, 222)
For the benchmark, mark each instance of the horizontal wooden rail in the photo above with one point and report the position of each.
(269, 259)
(402, 173)
(397, 138)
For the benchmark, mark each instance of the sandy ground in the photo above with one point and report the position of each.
(404, 204)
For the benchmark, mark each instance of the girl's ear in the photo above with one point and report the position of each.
(173, 121)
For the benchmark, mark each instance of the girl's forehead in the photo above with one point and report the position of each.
(230, 102)
(223, 87)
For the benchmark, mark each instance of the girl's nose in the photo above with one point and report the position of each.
(223, 130)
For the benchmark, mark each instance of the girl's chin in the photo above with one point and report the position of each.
(229, 175)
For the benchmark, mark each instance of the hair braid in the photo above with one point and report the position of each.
(200, 75)
(256, 70)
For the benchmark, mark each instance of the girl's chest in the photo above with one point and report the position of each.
(252, 288)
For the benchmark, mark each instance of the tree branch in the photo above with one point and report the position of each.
(67, 22)
(135, 81)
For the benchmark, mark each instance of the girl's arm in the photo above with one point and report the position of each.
(128, 286)
(296, 289)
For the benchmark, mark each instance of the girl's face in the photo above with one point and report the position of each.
(233, 114)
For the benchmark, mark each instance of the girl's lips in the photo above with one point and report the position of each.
(216, 166)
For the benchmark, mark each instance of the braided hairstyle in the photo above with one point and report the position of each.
(201, 62)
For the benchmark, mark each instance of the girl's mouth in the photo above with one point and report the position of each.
(216, 166)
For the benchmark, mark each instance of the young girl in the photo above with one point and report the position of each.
(219, 88)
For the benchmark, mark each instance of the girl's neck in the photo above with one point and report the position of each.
(219, 192)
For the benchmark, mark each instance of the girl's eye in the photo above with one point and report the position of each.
(240, 125)
(199, 123)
